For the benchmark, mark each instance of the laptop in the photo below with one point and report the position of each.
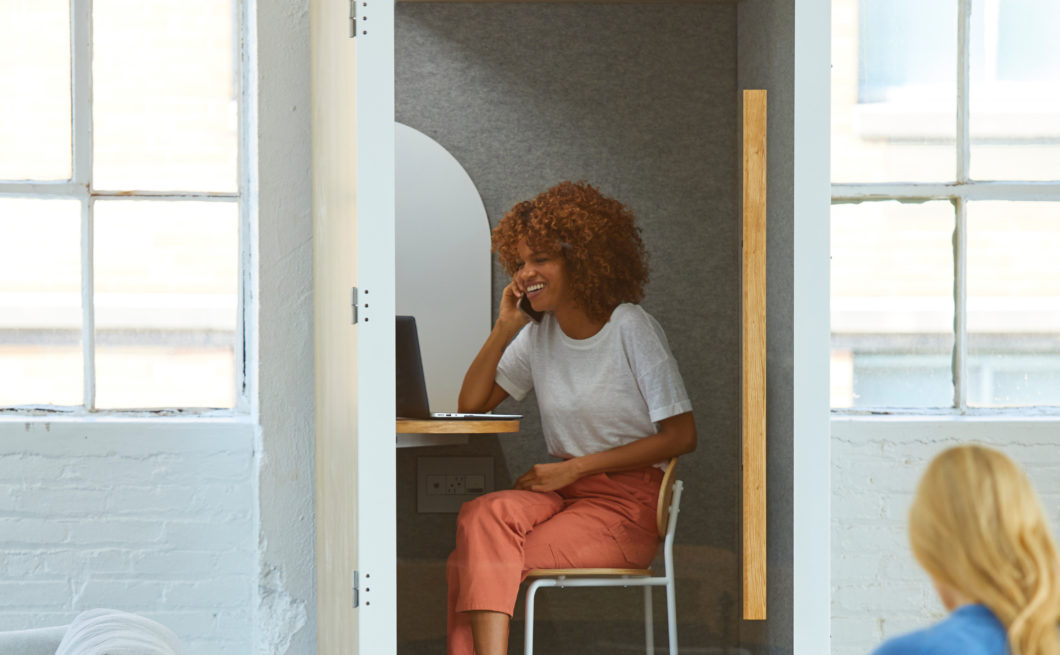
(412, 387)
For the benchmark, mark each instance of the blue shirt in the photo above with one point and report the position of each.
(969, 630)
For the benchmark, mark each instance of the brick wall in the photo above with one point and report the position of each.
(155, 520)
(878, 590)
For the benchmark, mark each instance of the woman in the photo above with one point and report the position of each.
(613, 410)
(977, 528)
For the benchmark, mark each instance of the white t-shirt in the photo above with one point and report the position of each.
(597, 393)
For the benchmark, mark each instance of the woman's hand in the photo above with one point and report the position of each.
(547, 477)
(480, 391)
(510, 316)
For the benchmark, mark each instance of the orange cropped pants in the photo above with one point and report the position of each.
(600, 521)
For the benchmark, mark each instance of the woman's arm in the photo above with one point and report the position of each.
(480, 391)
(676, 436)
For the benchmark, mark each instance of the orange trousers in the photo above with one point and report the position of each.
(600, 521)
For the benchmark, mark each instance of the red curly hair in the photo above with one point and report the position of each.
(596, 236)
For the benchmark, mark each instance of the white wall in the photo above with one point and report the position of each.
(878, 590)
(284, 404)
(154, 518)
(204, 524)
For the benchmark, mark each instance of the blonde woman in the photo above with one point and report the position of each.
(977, 528)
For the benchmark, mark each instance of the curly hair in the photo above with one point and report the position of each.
(597, 236)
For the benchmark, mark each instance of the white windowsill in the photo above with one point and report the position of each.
(1036, 415)
(145, 418)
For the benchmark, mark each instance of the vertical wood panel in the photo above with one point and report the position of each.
(334, 272)
(754, 355)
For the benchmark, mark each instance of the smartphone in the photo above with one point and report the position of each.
(534, 315)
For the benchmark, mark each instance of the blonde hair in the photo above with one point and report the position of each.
(977, 525)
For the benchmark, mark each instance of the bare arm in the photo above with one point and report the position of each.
(480, 391)
(676, 436)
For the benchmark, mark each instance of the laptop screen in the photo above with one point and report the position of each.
(411, 394)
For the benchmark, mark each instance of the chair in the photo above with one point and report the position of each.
(666, 523)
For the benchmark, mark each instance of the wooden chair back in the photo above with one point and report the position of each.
(666, 494)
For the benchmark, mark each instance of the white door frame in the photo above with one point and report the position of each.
(376, 441)
(812, 431)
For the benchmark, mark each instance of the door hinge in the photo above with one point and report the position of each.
(356, 591)
(356, 25)
(354, 309)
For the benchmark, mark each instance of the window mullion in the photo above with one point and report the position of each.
(88, 316)
(921, 191)
(245, 343)
(960, 234)
(964, 68)
(81, 91)
(960, 305)
(81, 111)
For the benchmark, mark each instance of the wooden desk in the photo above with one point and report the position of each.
(441, 426)
(437, 432)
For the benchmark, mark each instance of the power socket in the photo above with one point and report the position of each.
(443, 484)
(454, 485)
(436, 485)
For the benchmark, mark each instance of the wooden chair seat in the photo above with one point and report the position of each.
(576, 573)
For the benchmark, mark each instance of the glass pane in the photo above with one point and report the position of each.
(894, 91)
(165, 101)
(1015, 90)
(35, 87)
(166, 286)
(892, 305)
(1013, 303)
(41, 361)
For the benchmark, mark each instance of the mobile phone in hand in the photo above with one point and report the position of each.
(524, 305)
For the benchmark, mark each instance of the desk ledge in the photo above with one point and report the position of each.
(442, 426)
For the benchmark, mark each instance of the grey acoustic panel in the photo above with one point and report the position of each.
(766, 61)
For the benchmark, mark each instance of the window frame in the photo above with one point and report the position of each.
(960, 192)
(79, 187)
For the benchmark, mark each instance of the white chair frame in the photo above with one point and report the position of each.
(619, 578)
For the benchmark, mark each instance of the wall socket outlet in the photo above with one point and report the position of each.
(444, 483)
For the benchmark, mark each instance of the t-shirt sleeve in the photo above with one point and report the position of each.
(655, 368)
(514, 374)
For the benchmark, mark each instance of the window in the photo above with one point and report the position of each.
(120, 205)
(946, 205)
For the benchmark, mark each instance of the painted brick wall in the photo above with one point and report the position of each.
(155, 520)
(878, 590)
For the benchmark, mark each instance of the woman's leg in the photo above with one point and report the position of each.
(490, 630)
(608, 522)
(485, 568)
(600, 521)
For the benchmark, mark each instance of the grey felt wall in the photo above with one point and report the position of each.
(642, 101)
(766, 54)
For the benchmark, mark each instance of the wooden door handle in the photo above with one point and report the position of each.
(753, 371)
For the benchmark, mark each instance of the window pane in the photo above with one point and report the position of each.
(35, 87)
(892, 305)
(41, 360)
(893, 90)
(165, 116)
(1015, 92)
(1013, 303)
(166, 283)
